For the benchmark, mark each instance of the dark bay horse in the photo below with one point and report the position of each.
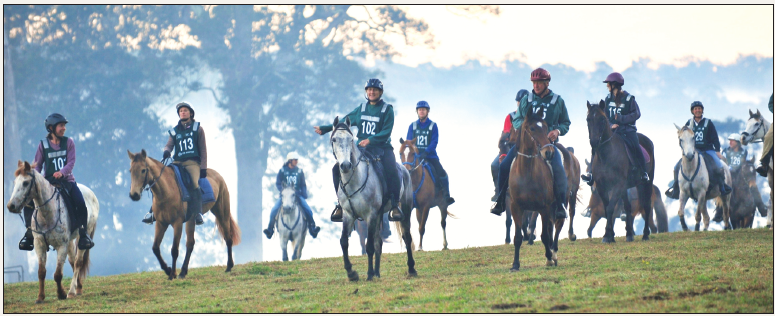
(742, 206)
(597, 211)
(610, 168)
(531, 185)
(425, 195)
(168, 209)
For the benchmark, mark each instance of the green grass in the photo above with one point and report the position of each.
(697, 272)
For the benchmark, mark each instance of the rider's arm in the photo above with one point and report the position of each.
(302, 185)
(327, 128)
(711, 132)
(434, 140)
(387, 128)
(39, 158)
(279, 181)
(68, 168)
(410, 133)
(633, 116)
(563, 122)
(202, 149)
(170, 145)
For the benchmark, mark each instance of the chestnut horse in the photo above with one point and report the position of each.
(610, 168)
(169, 209)
(531, 185)
(425, 194)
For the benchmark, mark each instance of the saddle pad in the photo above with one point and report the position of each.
(645, 154)
(181, 174)
(67, 199)
(207, 191)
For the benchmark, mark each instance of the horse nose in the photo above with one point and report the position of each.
(134, 196)
(11, 206)
(346, 166)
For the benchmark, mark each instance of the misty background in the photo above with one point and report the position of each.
(260, 77)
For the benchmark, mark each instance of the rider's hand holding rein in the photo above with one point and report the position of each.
(58, 175)
(364, 143)
(553, 135)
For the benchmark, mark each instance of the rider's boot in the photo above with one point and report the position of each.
(269, 232)
(494, 195)
(587, 178)
(560, 211)
(194, 204)
(313, 229)
(445, 187)
(765, 164)
(718, 217)
(336, 215)
(395, 214)
(722, 184)
(674, 192)
(84, 242)
(27, 242)
(500, 203)
(149, 219)
(199, 220)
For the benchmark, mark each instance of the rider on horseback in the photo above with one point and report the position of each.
(191, 154)
(57, 154)
(556, 116)
(427, 133)
(706, 142)
(375, 124)
(766, 150)
(293, 176)
(735, 155)
(622, 113)
(503, 142)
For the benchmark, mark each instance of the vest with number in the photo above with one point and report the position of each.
(372, 119)
(535, 105)
(625, 108)
(54, 160)
(291, 176)
(186, 142)
(423, 135)
(700, 137)
(735, 159)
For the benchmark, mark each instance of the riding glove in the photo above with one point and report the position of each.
(203, 173)
(166, 154)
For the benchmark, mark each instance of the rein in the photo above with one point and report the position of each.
(416, 165)
(35, 214)
(696, 171)
(538, 150)
(298, 212)
(147, 186)
(760, 140)
(342, 184)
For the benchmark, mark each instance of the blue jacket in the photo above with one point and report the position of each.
(301, 184)
(434, 141)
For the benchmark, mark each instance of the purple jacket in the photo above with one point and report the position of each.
(67, 171)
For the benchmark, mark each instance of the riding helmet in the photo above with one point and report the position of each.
(291, 156)
(376, 83)
(54, 119)
(521, 94)
(540, 74)
(697, 104)
(615, 78)
(184, 104)
(734, 136)
(423, 104)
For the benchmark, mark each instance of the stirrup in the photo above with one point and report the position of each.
(497, 209)
(337, 216)
(85, 243)
(27, 244)
(149, 218)
(397, 218)
(199, 220)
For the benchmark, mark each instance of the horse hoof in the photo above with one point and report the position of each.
(645, 238)
(630, 239)
(530, 242)
(228, 269)
(182, 276)
(71, 295)
(609, 240)
(40, 301)
(412, 273)
(353, 276)
(697, 227)
(514, 269)
(572, 237)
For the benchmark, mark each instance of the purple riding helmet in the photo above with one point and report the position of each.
(615, 78)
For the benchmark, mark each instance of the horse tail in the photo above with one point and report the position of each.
(86, 265)
(225, 224)
(660, 210)
(400, 232)
(449, 214)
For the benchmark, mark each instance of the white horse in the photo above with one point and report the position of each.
(755, 129)
(360, 195)
(50, 227)
(694, 181)
(291, 226)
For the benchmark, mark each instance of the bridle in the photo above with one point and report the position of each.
(147, 187)
(755, 132)
(537, 147)
(342, 184)
(414, 164)
(25, 201)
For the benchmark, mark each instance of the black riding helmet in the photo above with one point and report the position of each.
(521, 94)
(54, 119)
(373, 82)
(697, 104)
(184, 104)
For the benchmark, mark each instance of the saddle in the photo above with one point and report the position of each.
(372, 155)
(64, 190)
(183, 179)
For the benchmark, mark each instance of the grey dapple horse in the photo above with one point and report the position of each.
(291, 226)
(361, 194)
(694, 181)
(50, 225)
(755, 129)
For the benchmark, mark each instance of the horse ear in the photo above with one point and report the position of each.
(413, 141)
(26, 167)
(601, 105)
(751, 113)
(336, 121)
(586, 161)
(691, 124)
(347, 121)
(677, 127)
(144, 155)
(401, 140)
(20, 164)
(131, 156)
(758, 114)
(589, 106)
(540, 113)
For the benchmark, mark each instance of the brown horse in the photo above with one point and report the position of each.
(530, 185)
(596, 210)
(742, 205)
(169, 209)
(610, 168)
(425, 194)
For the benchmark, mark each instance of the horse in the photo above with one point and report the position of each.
(741, 203)
(530, 185)
(168, 209)
(50, 227)
(695, 179)
(361, 196)
(292, 225)
(528, 224)
(425, 195)
(610, 168)
(362, 229)
(755, 129)
(596, 211)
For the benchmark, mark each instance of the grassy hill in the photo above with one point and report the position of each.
(698, 272)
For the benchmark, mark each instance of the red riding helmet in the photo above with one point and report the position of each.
(540, 74)
(615, 78)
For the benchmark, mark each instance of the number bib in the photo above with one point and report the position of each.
(291, 176)
(186, 142)
(54, 160)
(422, 135)
(613, 110)
(699, 133)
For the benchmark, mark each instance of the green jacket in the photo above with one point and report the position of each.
(770, 105)
(555, 113)
(374, 122)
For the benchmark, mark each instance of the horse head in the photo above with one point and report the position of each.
(686, 140)
(24, 186)
(597, 124)
(288, 195)
(755, 127)
(139, 172)
(342, 144)
(409, 160)
(589, 165)
(534, 130)
(748, 172)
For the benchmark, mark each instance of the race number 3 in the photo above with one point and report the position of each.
(369, 127)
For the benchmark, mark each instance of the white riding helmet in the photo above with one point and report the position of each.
(292, 156)
(734, 136)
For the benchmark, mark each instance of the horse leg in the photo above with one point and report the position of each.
(72, 258)
(702, 206)
(555, 243)
(546, 237)
(572, 214)
(609, 204)
(444, 225)
(189, 248)
(158, 236)
(371, 236)
(508, 227)
(284, 246)
(41, 250)
(423, 212)
(177, 230)
(630, 231)
(343, 241)
(378, 247)
(516, 214)
(644, 200)
(593, 219)
(406, 225)
(681, 206)
(61, 258)
(532, 227)
(362, 236)
(726, 204)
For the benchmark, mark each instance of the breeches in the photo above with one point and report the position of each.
(193, 169)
